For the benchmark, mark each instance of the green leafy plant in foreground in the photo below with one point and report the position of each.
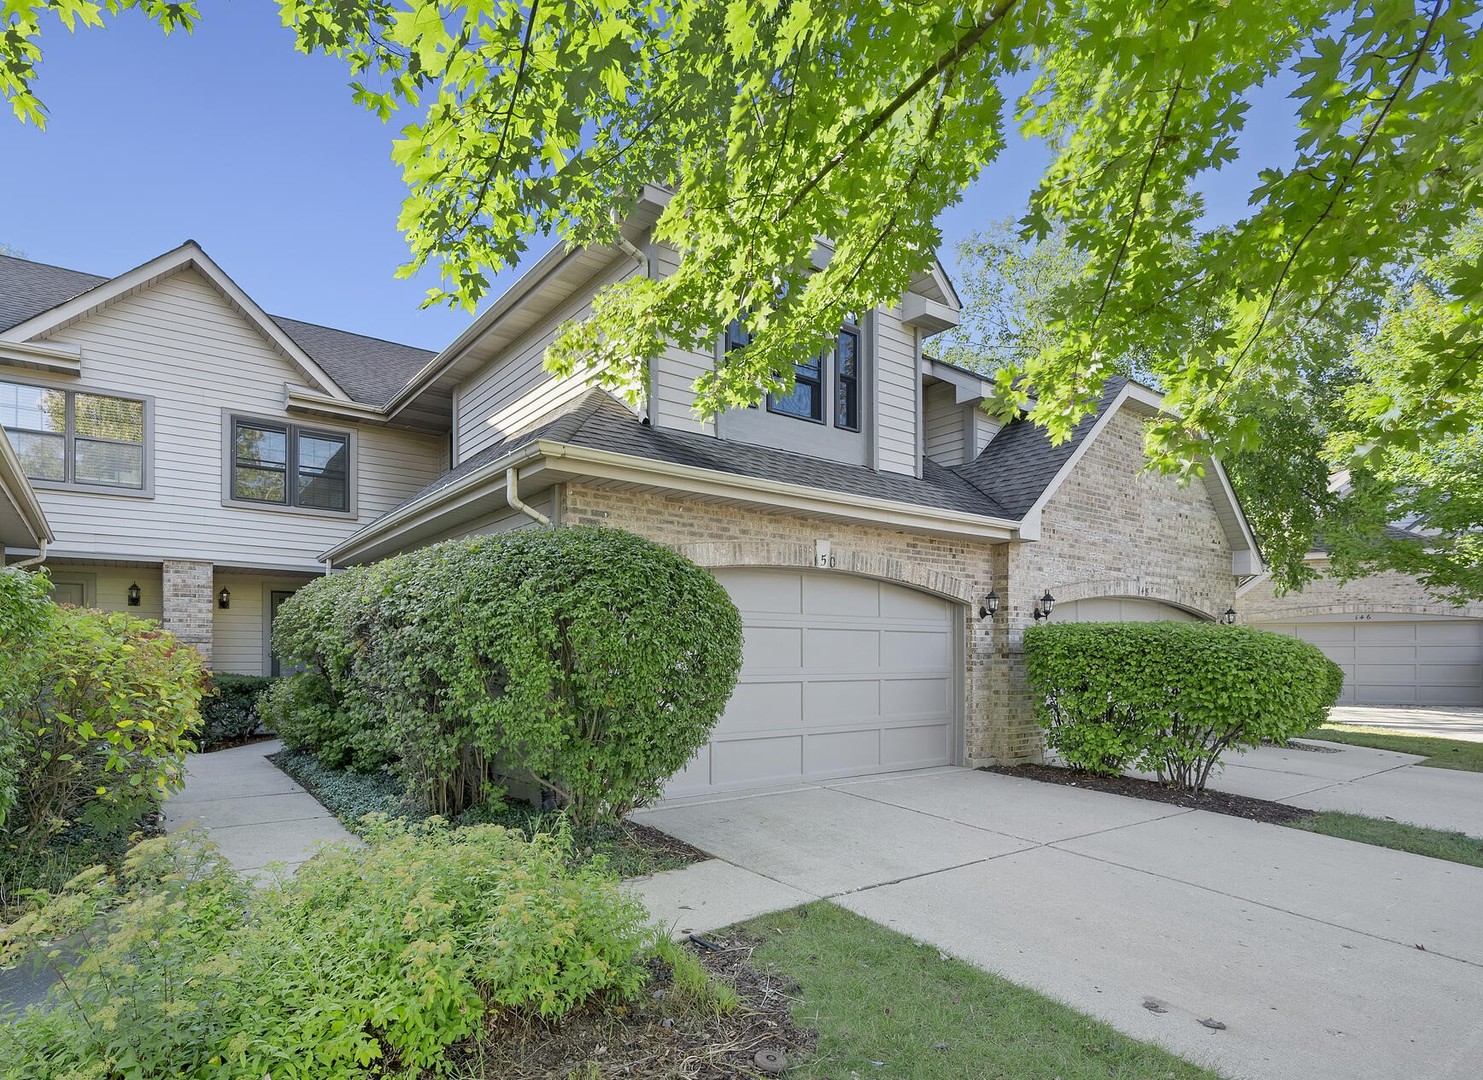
(372, 959)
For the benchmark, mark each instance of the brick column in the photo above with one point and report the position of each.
(189, 597)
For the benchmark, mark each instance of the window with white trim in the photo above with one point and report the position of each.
(74, 436)
(288, 465)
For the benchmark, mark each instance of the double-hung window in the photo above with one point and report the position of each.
(289, 465)
(75, 437)
(838, 367)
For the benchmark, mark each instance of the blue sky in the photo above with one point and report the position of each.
(229, 137)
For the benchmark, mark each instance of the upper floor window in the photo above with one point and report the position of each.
(287, 465)
(75, 436)
(839, 366)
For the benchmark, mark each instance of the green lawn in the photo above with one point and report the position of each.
(1437, 843)
(1439, 753)
(885, 1006)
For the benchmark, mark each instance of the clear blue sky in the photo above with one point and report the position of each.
(229, 137)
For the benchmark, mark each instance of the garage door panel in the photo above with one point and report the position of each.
(829, 650)
(913, 698)
(914, 747)
(1463, 633)
(763, 706)
(1326, 633)
(1380, 654)
(841, 675)
(772, 648)
(841, 701)
(841, 753)
(826, 595)
(1438, 675)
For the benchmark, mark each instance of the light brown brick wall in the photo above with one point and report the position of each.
(189, 602)
(1389, 592)
(1111, 530)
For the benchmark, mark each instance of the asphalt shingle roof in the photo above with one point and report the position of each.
(369, 369)
(598, 422)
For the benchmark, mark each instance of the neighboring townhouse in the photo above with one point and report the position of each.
(177, 453)
(864, 523)
(1397, 644)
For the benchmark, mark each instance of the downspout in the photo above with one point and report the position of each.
(627, 247)
(36, 559)
(512, 496)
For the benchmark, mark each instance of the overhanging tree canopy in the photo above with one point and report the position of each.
(778, 122)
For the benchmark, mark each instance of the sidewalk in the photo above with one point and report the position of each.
(254, 814)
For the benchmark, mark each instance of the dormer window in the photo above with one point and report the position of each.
(832, 375)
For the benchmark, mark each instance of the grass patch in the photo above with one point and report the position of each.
(1439, 753)
(630, 850)
(884, 1005)
(1436, 843)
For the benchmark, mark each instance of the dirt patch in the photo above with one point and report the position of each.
(661, 843)
(1217, 802)
(658, 1037)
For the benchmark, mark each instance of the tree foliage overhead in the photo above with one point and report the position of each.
(776, 122)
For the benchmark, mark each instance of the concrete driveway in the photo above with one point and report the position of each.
(1443, 721)
(1323, 958)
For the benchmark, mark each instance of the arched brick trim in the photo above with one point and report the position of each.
(801, 556)
(1289, 614)
(1139, 588)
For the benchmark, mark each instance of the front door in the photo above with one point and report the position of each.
(69, 592)
(275, 599)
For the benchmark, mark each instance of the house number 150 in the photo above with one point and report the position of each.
(823, 554)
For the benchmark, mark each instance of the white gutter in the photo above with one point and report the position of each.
(35, 560)
(512, 496)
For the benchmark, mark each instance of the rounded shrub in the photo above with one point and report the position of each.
(1170, 697)
(229, 709)
(589, 661)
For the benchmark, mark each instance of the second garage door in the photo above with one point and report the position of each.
(841, 675)
(1400, 659)
(1119, 609)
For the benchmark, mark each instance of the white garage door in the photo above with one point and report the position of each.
(1119, 609)
(841, 676)
(1400, 659)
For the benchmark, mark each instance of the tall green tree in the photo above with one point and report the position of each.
(775, 122)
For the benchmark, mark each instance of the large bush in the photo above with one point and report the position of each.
(590, 661)
(1170, 697)
(229, 709)
(96, 708)
(369, 963)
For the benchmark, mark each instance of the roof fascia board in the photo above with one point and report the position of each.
(55, 359)
(187, 256)
(623, 467)
(1247, 536)
(303, 399)
(966, 386)
(19, 493)
(927, 314)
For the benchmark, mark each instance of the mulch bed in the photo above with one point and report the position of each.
(661, 843)
(650, 1039)
(1217, 802)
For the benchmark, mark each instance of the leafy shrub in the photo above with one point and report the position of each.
(588, 660)
(25, 615)
(1171, 697)
(229, 709)
(302, 709)
(372, 960)
(96, 708)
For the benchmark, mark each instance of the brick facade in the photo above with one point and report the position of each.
(189, 602)
(1387, 592)
(1111, 530)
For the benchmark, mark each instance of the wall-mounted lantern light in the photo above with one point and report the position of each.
(134, 594)
(990, 606)
(224, 599)
(1229, 618)
(1044, 605)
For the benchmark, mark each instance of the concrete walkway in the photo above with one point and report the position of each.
(1325, 959)
(254, 813)
(1442, 721)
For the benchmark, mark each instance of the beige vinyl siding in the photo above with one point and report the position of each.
(985, 427)
(943, 420)
(897, 382)
(513, 389)
(108, 586)
(676, 371)
(181, 344)
(239, 642)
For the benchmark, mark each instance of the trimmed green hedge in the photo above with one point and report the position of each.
(589, 661)
(229, 709)
(1170, 697)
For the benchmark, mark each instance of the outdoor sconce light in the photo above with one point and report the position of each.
(224, 599)
(134, 594)
(1043, 606)
(990, 605)
(1229, 618)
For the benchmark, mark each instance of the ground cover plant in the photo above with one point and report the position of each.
(629, 850)
(885, 1005)
(374, 959)
(229, 711)
(1440, 753)
(1171, 697)
(588, 663)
